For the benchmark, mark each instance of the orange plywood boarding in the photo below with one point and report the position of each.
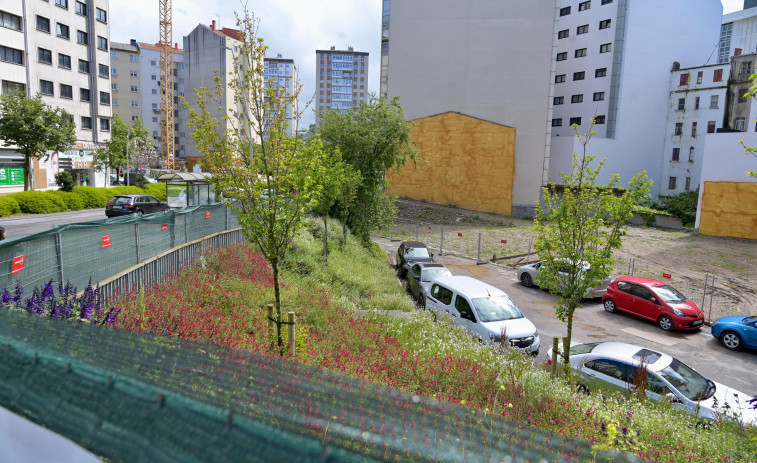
(463, 161)
(729, 209)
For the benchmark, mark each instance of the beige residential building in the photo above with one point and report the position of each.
(341, 79)
(124, 62)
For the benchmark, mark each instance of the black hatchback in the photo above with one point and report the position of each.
(134, 204)
(411, 252)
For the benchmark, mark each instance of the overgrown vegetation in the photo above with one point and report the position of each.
(683, 205)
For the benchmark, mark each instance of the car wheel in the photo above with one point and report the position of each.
(433, 315)
(526, 280)
(665, 323)
(731, 340)
(422, 302)
(582, 389)
(610, 305)
(139, 212)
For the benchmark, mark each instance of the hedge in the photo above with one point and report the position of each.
(83, 197)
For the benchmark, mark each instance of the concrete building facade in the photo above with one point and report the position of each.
(738, 32)
(281, 73)
(127, 97)
(59, 49)
(341, 79)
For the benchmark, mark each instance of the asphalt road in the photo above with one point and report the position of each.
(23, 225)
(592, 323)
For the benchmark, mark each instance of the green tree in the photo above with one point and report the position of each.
(372, 139)
(35, 128)
(578, 229)
(332, 181)
(114, 154)
(65, 181)
(273, 187)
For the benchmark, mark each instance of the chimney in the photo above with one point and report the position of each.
(175, 45)
(213, 25)
(737, 52)
(133, 42)
(333, 47)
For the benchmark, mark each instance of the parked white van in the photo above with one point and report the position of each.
(483, 310)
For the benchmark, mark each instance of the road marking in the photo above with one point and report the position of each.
(665, 341)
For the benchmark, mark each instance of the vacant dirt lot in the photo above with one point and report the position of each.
(691, 259)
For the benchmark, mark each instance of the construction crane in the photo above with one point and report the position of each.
(166, 83)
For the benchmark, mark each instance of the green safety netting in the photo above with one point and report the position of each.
(97, 250)
(130, 397)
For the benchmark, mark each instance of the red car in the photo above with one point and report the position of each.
(655, 301)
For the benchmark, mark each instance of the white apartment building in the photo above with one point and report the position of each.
(612, 60)
(60, 50)
(210, 51)
(698, 98)
(341, 79)
(282, 73)
(738, 31)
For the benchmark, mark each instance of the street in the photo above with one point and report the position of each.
(592, 323)
(22, 225)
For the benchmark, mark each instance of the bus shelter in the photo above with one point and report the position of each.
(187, 189)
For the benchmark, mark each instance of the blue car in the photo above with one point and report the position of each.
(736, 332)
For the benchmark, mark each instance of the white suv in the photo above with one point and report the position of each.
(483, 310)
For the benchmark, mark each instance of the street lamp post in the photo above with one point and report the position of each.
(128, 136)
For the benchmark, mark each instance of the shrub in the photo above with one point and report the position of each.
(140, 181)
(36, 202)
(65, 181)
(91, 196)
(59, 201)
(8, 206)
(683, 206)
(157, 189)
(71, 201)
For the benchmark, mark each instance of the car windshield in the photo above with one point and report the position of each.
(430, 274)
(416, 252)
(750, 319)
(583, 348)
(496, 308)
(687, 381)
(669, 294)
(121, 200)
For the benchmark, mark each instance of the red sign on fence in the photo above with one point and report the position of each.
(429, 228)
(459, 234)
(667, 276)
(18, 264)
(207, 214)
(504, 241)
(106, 241)
(164, 227)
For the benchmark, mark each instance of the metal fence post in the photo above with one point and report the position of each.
(441, 242)
(478, 255)
(186, 228)
(291, 326)
(704, 293)
(136, 240)
(528, 256)
(227, 217)
(59, 252)
(712, 294)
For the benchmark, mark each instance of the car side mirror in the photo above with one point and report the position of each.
(417, 277)
(654, 299)
(431, 254)
(672, 398)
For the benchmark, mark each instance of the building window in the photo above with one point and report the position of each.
(11, 21)
(581, 52)
(84, 94)
(582, 29)
(699, 76)
(577, 98)
(717, 75)
(605, 48)
(101, 15)
(739, 125)
(584, 6)
(714, 102)
(113, 54)
(711, 126)
(688, 184)
(601, 72)
(676, 154)
(46, 87)
(579, 75)
(81, 8)
(696, 103)
(605, 24)
(62, 3)
(133, 58)
(104, 98)
(599, 96)
(9, 87)
(132, 73)
(153, 62)
(44, 56)
(556, 122)
(102, 70)
(11, 55)
(84, 66)
(64, 61)
(684, 80)
(575, 120)
(691, 153)
(104, 124)
(114, 71)
(599, 120)
(565, 11)
(86, 122)
(743, 94)
(559, 78)
(558, 100)
(679, 128)
(154, 77)
(81, 37)
(66, 91)
(102, 43)
(694, 129)
(605, 2)
(114, 86)
(155, 91)
(671, 183)
(746, 68)
(563, 34)
(43, 24)
(134, 104)
(62, 31)
(681, 104)
(134, 89)
(562, 56)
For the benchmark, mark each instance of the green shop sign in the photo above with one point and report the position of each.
(11, 176)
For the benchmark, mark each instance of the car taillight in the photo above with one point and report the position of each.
(548, 361)
(128, 206)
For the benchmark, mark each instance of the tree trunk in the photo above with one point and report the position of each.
(325, 239)
(277, 293)
(28, 180)
(566, 354)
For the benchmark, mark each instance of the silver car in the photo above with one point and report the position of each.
(612, 366)
(419, 279)
(528, 275)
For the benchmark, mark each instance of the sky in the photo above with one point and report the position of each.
(293, 28)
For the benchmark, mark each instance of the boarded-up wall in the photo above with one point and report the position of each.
(464, 161)
(729, 209)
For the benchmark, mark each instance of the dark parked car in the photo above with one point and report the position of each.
(736, 332)
(420, 276)
(134, 204)
(411, 252)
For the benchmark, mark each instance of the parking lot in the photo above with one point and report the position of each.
(592, 323)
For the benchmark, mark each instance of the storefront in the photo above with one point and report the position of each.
(80, 162)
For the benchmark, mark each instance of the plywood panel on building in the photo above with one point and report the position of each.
(463, 161)
(729, 209)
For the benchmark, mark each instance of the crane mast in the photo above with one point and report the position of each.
(167, 84)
